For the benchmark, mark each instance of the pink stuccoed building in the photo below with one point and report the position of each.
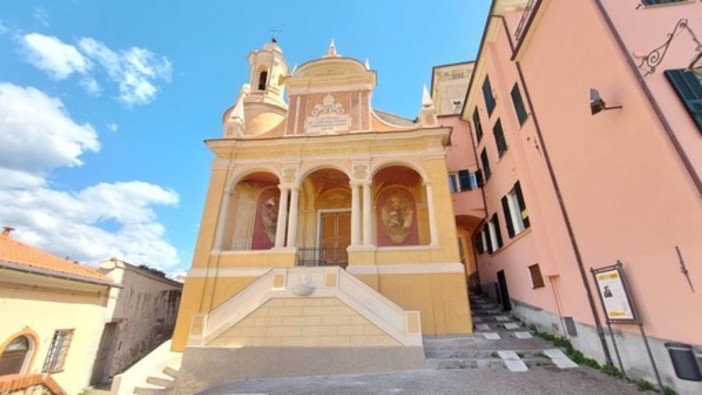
(583, 124)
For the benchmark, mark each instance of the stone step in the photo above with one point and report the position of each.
(152, 391)
(161, 382)
(478, 354)
(171, 372)
(482, 363)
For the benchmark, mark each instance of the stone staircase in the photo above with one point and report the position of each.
(159, 384)
(499, 341)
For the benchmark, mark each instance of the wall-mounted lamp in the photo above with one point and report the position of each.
(597, 104)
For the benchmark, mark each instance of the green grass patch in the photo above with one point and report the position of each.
(643, 385)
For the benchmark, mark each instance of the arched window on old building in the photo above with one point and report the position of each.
(14, 355)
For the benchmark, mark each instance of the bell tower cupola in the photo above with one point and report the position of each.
(260, 106)
(268, 72)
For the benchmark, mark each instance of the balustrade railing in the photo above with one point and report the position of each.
(322, 256)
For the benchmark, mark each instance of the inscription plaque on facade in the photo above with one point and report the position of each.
(327, 117)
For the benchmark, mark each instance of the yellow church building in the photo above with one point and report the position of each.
(328, 224)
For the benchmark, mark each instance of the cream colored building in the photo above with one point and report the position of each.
(325, 190)
(52, 314)
(66, 326)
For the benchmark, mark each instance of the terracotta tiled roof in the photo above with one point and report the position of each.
(14, 252)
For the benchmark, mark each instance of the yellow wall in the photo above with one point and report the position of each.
(310, 322)
(440, 298)
(42, 311)
(443, 301)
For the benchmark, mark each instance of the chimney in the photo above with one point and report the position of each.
(6, 231)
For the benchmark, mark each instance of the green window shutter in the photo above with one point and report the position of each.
(478, 241)
(518, 104)
(464, 180)
(498, 232)
(508, 217)
(487, 95)
(486, 164)
(689, 89)
(500, 141)
(478, 126)
(654, 2)
(479, 178)
(522, 206)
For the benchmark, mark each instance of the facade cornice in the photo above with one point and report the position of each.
(53, 274)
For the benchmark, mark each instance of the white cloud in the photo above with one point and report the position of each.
(50, 54)
(136, 70)
(113, 126)
(69, 224)
(37, 135)
(42, 16)
(91, 86)
(3, 28)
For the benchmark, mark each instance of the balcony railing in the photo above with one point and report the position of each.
(525, 17)
(322, 256)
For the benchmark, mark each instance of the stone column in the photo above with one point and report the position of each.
(355, 215)
(292, 217)
(282, 217)
(433, 235)
(367, 211)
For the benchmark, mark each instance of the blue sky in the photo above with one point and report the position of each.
(104, 105)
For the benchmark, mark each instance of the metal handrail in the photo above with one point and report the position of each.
(322, 256)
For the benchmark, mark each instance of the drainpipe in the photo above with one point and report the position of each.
(561, 203)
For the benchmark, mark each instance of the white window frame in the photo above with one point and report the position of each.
(493, 237)
(515, 212)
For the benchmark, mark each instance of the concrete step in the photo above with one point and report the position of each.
(171, 372)
(152, 391)
(161, 382)
(483, 363)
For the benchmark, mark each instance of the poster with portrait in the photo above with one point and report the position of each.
(614, 295)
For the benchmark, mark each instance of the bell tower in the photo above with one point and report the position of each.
(268, 72)
(260, 106)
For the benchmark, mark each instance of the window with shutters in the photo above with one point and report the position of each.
(516, 214)
(453, 182)
(494, 236)
(479, 178)
(477, 125)
(486, 165)
(58, 349)
(537, 281)
(488, 96)
(499, 135)
(518, 104)
(479, 242)
(688, 86)
(462, 181)
(656, 2)
(467, 180)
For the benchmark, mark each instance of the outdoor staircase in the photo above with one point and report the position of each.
(499, 341)
(160, 384)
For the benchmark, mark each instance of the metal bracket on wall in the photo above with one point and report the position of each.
(654, 58)
(683, 269)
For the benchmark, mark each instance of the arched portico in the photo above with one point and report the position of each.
(250, 213)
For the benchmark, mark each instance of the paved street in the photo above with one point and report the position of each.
(538, 380)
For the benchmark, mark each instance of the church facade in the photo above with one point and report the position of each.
(324, 185)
